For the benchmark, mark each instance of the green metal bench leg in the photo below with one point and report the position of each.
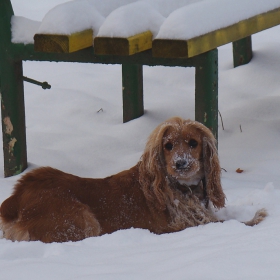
(132, 82)
(242, 51)
(206, 90)
(12, 99)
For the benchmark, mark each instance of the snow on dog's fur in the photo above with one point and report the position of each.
(168, 190)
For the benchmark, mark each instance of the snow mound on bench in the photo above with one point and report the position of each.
(130, 20)
(205, 16)
(71, 17)
(23, 29)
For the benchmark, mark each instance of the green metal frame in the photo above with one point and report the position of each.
(206, 90)
(12, 99)
(242, 51)
(132, 86)
(11, 85)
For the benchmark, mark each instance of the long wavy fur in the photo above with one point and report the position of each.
(52, 206)
(153, 176)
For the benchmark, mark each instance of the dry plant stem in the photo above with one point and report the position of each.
(221, 120)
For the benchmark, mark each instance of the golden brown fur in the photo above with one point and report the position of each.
(167, 191)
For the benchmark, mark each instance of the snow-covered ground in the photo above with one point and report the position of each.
(67, 130)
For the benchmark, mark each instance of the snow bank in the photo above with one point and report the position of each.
(71, 17)
(209, 15)
(130, 20)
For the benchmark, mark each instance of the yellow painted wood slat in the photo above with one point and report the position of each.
(54, 43)
(123, 46)
(188, 48)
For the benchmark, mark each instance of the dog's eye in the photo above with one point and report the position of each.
(193, 143)
(168, 146)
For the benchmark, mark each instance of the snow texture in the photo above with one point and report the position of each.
(166, 7)
(209, 15)
(180, 19)
(71, 17)
(23, 29)
(130, 20)
(67, 129)
(105, 7)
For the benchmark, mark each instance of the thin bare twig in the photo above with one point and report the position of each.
(221, 120)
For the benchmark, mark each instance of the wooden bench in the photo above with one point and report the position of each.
(132, 53)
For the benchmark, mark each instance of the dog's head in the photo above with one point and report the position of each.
(184, 151)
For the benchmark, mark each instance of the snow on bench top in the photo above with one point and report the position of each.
(209, 15)
(23, 29)
(130, 20)
(166, 19)
(71, 17)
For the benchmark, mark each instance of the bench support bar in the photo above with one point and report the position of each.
(242, 51)
(206, 90)
(12, 99)
(132, 89)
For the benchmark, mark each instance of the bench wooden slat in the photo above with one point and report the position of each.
(123, 46)
(53, 43)
(188, 48)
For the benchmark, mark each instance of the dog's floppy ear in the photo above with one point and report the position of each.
(152, 172)
(212, 171)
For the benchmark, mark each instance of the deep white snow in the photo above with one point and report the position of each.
(130, 20)
(23, 29)
(67, 130)
(205, 16)
(71, 17)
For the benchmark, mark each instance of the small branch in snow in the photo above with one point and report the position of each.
(221, 120)
(100, 110)
(240, 128)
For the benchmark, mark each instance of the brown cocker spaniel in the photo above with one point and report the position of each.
(168, 190)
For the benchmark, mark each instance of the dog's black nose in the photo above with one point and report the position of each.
(181, 164)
